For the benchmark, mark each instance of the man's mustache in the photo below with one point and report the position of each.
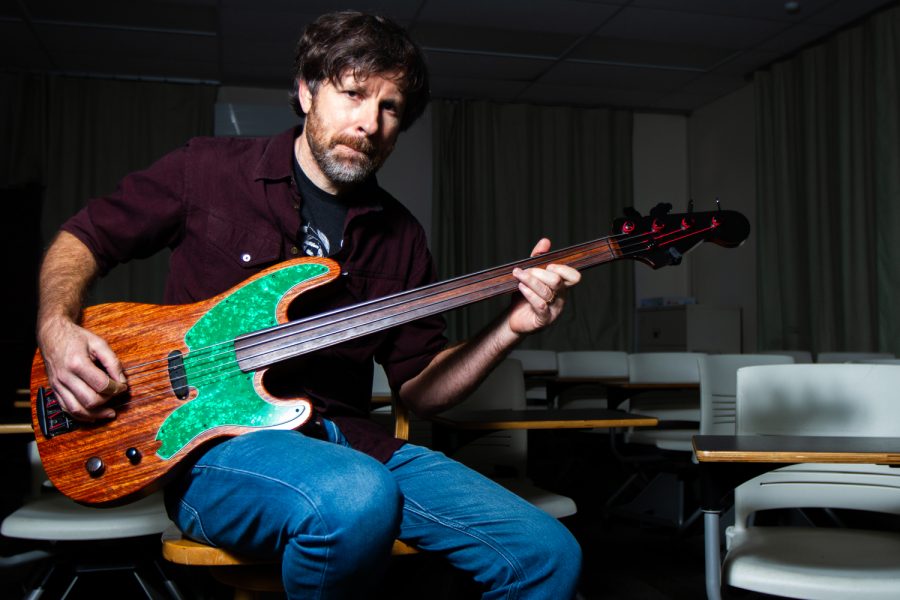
(360, 144)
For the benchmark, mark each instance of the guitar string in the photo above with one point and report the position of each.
(210, 371)
(228, 343)
(200, 379)
(214, 371)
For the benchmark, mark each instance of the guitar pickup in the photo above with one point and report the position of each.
(51, 417)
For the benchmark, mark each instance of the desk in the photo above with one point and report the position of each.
(478, 422)
(726, 461)
(553, 418)
(15, 428)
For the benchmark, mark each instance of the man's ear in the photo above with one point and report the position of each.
(304, 95)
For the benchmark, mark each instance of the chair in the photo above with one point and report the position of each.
(74, 538)
(678, 406)
(661, 477)
(821, 563)
(718, 388)
(502, 455)
(800, 356)
(538, 365)
(590, 365)
(843, 357)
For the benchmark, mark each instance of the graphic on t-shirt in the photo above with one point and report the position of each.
(315, 242)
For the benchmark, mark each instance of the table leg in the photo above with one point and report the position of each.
(712, 555)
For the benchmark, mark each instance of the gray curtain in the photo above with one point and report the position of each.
(77, 137)
(828, 155)
(506, 175)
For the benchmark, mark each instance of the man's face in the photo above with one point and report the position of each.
(351, 128)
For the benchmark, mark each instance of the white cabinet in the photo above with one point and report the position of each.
(689, 327)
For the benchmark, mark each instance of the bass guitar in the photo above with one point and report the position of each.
(195, 371)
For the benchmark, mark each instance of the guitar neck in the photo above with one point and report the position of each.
(263, 348)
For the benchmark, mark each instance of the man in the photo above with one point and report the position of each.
(328, 499)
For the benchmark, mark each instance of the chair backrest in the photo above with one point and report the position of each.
(593, 363)
(536, 361)
(842, 357)
(873, 488)
(800, 356)
(825, 400)
(718, 387)
(664, 367)
(833, 400)
(500, 451)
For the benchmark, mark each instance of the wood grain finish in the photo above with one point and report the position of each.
(503, 419)
(797, 449)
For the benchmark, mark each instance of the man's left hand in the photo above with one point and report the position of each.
(543, 293)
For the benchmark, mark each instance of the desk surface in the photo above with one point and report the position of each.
(796, 449)
(543, 419)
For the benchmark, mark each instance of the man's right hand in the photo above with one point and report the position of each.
(82, 369)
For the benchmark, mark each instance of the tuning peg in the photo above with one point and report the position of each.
(718, 204)
(661, 210)
(631, 213)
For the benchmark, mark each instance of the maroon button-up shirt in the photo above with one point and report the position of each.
(228, 207)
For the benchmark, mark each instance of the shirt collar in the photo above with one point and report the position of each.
(276, 162)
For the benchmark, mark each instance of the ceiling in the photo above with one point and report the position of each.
(665, 55)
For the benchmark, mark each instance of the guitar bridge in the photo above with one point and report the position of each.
(51, 417)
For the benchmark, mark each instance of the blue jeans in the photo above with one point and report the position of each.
(331, 513)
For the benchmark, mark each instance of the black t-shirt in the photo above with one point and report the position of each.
(322, 217)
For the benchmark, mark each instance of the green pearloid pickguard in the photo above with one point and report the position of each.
(225, 394)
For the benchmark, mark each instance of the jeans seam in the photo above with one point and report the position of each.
(196, 517)
(517, 568)
(274, 480)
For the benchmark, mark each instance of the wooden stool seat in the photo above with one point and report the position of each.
(248, 576)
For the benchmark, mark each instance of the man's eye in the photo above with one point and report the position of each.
(352, 93)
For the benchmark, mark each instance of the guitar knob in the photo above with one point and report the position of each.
(133, 455)
(94, 466)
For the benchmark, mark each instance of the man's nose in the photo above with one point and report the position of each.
(369, 117)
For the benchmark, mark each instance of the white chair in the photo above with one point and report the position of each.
(590, 364)
(537, 365)
(666, 405)
(502, 455)
(800, 356)
(51, 517)
(661, 477)
(807, 562)
(718, 388)
(843, 357)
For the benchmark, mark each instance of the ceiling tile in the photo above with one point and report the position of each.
(444, 64)
(794, 38)
(548, 16)
(646, 53)
(163, 15)
(756, 9)
(622, 78)
(845, 12)
(676, 27)
(492, 40)
(20, 49)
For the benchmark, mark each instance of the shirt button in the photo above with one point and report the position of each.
(246, 257)
(295, 250)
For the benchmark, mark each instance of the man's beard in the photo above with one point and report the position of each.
(341, 169)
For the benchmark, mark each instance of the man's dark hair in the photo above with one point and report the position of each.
(366, 45)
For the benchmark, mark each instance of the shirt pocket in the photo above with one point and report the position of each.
(249, 247)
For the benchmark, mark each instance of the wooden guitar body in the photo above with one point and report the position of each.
(186, 387)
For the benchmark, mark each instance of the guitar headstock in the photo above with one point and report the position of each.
(661, 239)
